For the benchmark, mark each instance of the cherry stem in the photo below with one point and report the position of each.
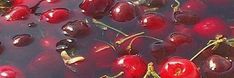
(219, 39)
(151, 10)
(129, 37)
(116, 76)
(130, 44)
(151, 71)
(105, 25)
(176, 6)
(107, 44)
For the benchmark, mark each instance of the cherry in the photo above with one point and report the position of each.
(41, 64)
(179, 39)
(7, 71)
(76, 29)
(55, 15)
(210, 27)
(184, 29)
(216, 63)
(153, 21)
(186, 17)
(48, 42)
(18, 12)
(66, 45)
(197, 6)
(133, 66)
(52, 1)
(22, 40)
(96, 8)
(17, 2)
(155, 3)
(102, 51)
(123, 12)
(176, 67)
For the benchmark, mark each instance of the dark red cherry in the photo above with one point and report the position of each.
(176, 67)
(153, 21)
(186, 17)
(76, 29)
(179, 39)
(210, 27)
(41, 64)
(216, 63)
(133, 66)
(18, 12)
(123, 12)
(66, 45)
(7, 71)
(197, 6)
(55, 15)
(22, 40)
(102, 51)
(96, 8)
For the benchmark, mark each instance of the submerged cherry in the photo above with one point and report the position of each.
(133, 66)
(186, 17)
(123, 12)
(179, 39)
(55, 15)
(66, 45)
(197, 6)
(52, 1)
(22, 40)
(76, 29)
(96, 8)
(216, 63)
(176, 67)
(18, 12)
(210, 27)
(7, 71)
(153, 21)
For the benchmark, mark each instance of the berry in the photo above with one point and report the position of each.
(66, 45)
(76, 29)
(133, 66)
(22, 40)
(216, 63)
(7, 71)
(179, 39)
(123, 12)
(55, 15)
(176, 67)
(186, 17)
(155, 3)
(161, 50)
(52, 1)
(153, 21)
(210, 27)
(18, 12)
(197, 6)
(96, 8)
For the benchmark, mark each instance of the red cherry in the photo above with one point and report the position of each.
(153, 21)
(55, 15)
(41, 64)
(18, 12)
(76, 29)
(179, 39)
(123, 12)
(197, 6)
(176, 67)
(7, 71)
(216, 63)
(102, 51)
(186, 17)
(17, 2)
(133, 66)
(96, 8)
(210, 27)
(52, 1)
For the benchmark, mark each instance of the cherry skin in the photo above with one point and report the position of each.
(18, 12)
(123, 12)
(22, 40)
(52, 1)
(7, 71)
(55, 15)
(76, 29)
(210, 27)
(216, 63)
(186, 17)
(176, 67)
(197, 6)
(96, 8)
(133, 66)
(179, 39)
(153, 21)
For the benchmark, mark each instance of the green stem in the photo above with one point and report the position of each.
(101, 23)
